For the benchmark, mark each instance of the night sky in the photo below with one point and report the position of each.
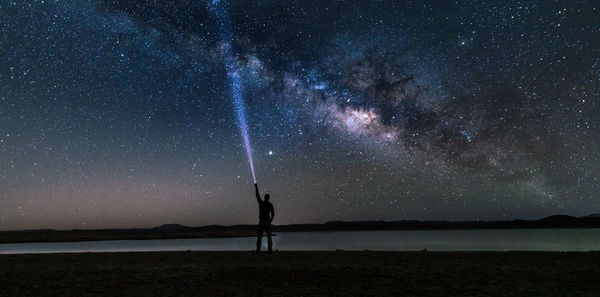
(120, 113)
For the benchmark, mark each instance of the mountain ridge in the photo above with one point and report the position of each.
(174, 231)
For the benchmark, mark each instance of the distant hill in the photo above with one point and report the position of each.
(171, 231)
(172, 227)
(560, 220)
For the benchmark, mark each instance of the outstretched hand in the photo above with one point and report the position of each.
(257, 194)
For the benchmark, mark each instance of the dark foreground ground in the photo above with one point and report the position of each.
(302, 274)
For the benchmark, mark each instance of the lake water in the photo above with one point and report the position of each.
(410, 240)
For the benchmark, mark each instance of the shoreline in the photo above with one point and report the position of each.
(176, 231)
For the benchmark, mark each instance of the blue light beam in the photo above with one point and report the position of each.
(233, 74)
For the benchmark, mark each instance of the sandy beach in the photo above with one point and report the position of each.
(302, 274)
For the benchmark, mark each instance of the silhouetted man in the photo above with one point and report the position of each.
(266, 214)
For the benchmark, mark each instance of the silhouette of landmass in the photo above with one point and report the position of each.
(172, 231)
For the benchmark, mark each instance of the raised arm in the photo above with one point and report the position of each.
(257, 194)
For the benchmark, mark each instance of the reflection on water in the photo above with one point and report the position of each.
(412, 240)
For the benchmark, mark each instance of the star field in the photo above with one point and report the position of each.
(120, 114)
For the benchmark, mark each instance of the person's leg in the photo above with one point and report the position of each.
(268, 227)
(259, 237)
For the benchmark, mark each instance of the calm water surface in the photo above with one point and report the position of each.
(432, 240)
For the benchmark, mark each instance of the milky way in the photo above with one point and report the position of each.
(118, 114)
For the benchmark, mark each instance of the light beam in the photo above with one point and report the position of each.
(233, 74)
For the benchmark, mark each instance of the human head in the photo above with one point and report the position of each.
(267, 197)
